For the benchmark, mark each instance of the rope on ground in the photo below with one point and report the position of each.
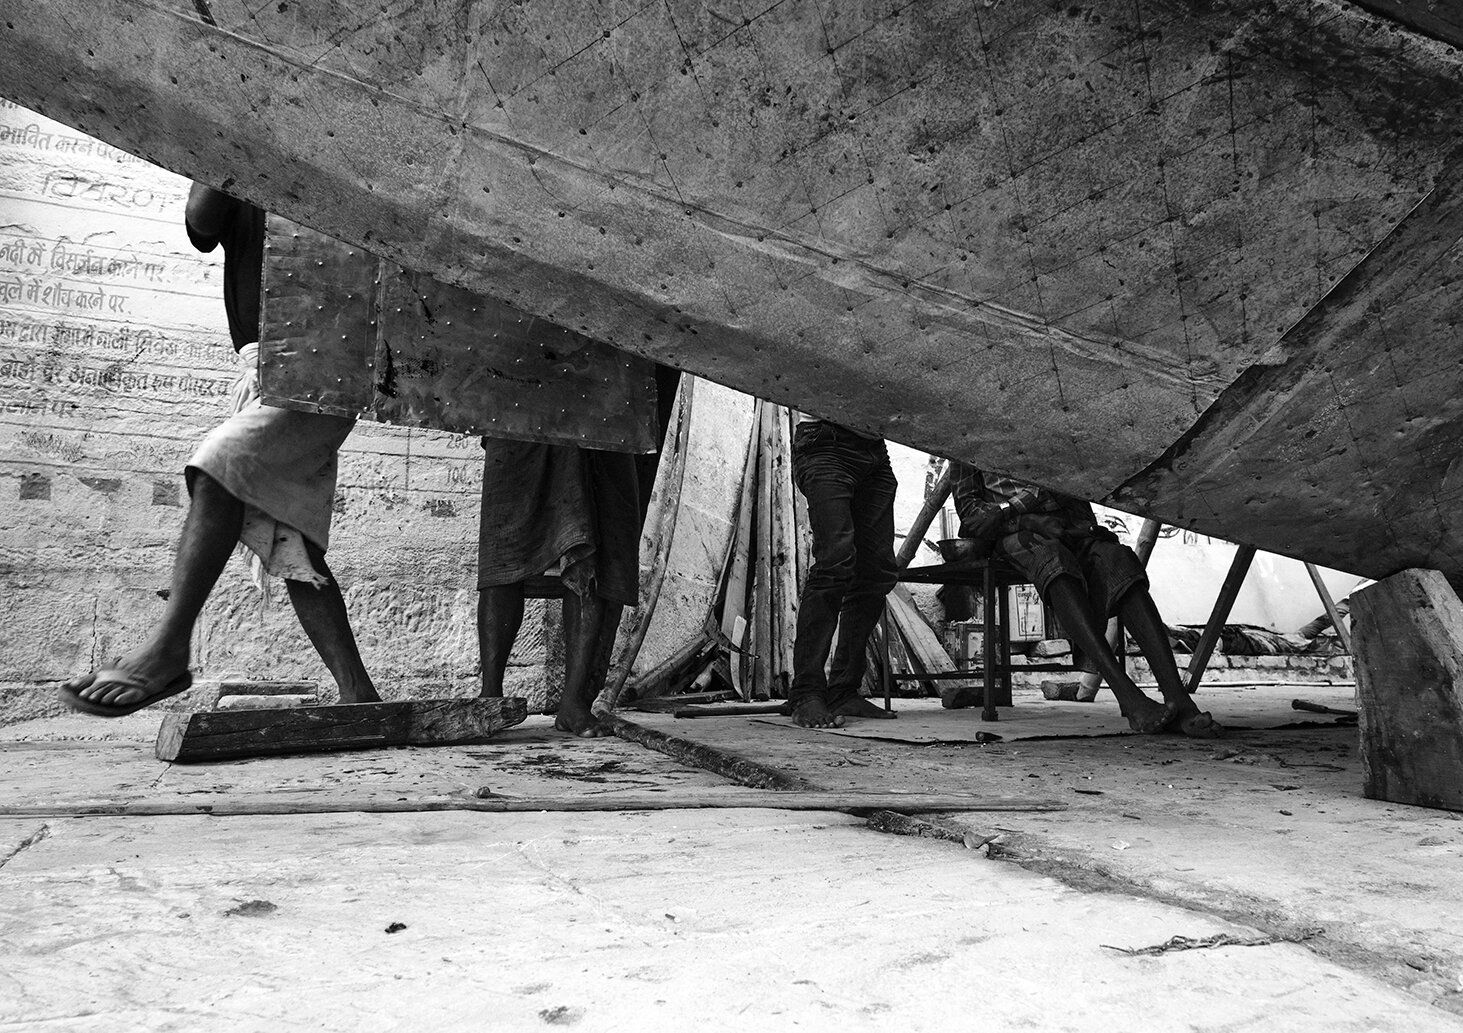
(1189, 943)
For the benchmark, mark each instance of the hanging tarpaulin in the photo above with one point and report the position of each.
(347, 333)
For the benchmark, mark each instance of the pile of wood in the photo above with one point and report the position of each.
(741, 647)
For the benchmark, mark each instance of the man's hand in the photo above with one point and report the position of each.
(984, 521)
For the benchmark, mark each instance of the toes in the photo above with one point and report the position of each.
(1202, 726)
(1151, 719)
(108, 694)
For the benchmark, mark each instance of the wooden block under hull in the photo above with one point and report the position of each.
(213, 735)
(1407, 632)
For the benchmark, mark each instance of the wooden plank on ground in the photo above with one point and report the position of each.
(214, 735)
(633, 800)
(1408, 634)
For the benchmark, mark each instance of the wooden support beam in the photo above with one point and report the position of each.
(934, 502)
(1330, 604)
(1408, 634)
(1238, 568)
(997, 616)
(214, 735)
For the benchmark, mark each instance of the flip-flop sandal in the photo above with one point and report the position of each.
(115, 676)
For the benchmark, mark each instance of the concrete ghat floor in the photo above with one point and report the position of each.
(722, 919)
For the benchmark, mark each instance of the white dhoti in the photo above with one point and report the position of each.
(282, 465)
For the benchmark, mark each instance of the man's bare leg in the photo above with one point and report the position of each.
(1085, 628)
(500, 616)
(583, 621)
(604, 653)
(323, 615)
(1143, 621)
(210, 532)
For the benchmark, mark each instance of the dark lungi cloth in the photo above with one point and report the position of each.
(560, 510)
(1044, 547)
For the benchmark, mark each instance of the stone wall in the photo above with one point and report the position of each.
(114, 362)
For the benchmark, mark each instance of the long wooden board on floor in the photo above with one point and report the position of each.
(645, 800)
(230, 735)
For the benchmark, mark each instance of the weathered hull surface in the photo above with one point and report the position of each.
(1196, 258)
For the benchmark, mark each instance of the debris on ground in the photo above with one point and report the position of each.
(252, 909)
(1188, 943)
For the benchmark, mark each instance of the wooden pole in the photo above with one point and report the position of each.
(1228, 591)
(1330, 604)
(934, 502)
(988, 645)
(641, 800)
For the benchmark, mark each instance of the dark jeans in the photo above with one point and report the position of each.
(850, 491)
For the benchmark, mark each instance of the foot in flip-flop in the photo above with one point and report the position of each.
(115, 692)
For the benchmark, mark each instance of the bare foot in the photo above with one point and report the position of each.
(1149, 717)
(580, 722)
(813, 712)
(854, 705)
(1199, 725)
